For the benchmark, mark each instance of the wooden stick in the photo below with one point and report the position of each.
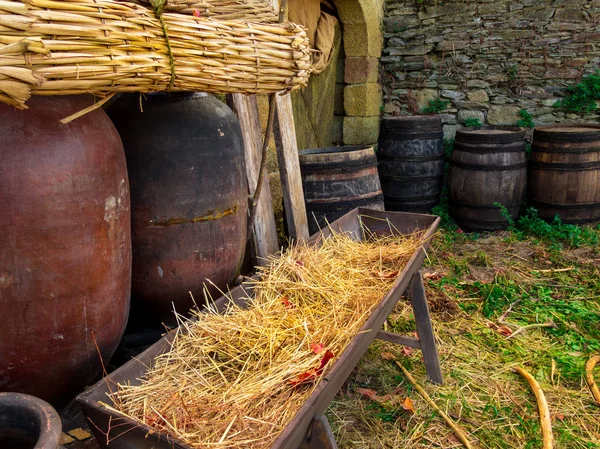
(530, 326)
(589, 377)
(545, 422)
(87, 110)
(460, 433)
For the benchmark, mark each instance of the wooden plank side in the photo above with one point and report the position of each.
(289, 168)
(295, 432)
(264, 241)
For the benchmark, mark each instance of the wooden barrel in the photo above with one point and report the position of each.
(488, 166)
(337, 180)
(189, 197)
(411, 162)
(65, 246)
(564, 173)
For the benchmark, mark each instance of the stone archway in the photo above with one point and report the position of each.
(362, 41)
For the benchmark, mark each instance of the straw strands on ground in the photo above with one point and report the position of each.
(251, 10)
(99, 46)
(237, 379)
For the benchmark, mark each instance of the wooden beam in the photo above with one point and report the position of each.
(289, 169)
(399, 339)
(264, 239)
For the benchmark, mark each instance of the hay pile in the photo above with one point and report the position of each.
(237, 379)
(50, 47)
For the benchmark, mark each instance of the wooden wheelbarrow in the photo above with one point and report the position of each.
(309, 429)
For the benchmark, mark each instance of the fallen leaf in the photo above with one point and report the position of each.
(326, 358)
(196, 13)
(459, 231)
(407, 350)
(504, 330)
(299, 263)
(80, 434)
(387, 356)
(371, 394)
(388, 275)
(559, 416)
(286, 302)
(65, 439)
(318, 348)
(408, 405)
(314, 373)
(433, 276)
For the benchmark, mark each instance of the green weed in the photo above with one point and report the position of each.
(526, 120)
(436, 106)
(472, 121)
(583, 95)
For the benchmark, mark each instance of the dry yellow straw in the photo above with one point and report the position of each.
(237, 379)
(589, 377)
(460, 433)
(67, 47)
(251, 10)
(545, 421)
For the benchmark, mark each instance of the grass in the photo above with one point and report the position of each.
(543, 273)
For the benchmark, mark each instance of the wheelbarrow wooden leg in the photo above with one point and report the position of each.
(321, 435)
(416, 293)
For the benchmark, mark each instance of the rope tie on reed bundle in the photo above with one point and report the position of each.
(158, 6)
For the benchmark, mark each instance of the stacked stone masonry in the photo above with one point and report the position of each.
(488, 58)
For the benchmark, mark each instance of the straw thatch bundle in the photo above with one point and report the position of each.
(237, 379)
(251, 10)
(76, 46)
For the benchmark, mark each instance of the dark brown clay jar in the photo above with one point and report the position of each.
(65, 246)
(189, 198)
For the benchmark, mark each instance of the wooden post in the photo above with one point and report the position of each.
(321, 435)
(264, 239)
(416, 292)
(289, 169)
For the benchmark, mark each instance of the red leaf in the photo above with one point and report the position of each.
(407, 350)
(371, 394)
(504, 330)
(286, 302)
(326, 358)
(300, 263)
(559, 416)
(196, 13)
(387, 356)
(318, 348)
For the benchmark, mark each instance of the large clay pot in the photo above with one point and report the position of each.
(27, 422)
(65, 246)
(189, 197)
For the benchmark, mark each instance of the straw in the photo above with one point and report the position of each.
(252, 10)
(238, 379)
(100, 46)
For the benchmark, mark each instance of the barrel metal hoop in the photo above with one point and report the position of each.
(338, 167)
(565, 206)
(404, 199)
(402, 135)
(581, 166)
(343, 204)
(479, 207)
(563, 150)
(488, 167)
(387, 158)
(402, 178)
(491, 149)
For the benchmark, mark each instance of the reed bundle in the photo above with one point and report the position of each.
(251, 10)
(237, 379)
(50, 47)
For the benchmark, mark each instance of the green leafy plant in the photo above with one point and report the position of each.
(583, 95)
(472, 121)
(526, 120)
(435, 106)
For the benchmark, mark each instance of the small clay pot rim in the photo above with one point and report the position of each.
(50, 426)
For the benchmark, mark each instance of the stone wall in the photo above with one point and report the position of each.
(489, 58)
